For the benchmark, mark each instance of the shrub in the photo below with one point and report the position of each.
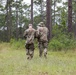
(63, 42)
(55, 45)
(17, 44)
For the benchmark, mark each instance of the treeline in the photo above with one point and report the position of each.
(15, 15)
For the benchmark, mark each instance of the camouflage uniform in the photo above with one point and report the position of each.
(29, 34)
(42, 33)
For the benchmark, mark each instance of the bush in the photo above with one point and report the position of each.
(55, 45)
(17, 44)
(62, 43)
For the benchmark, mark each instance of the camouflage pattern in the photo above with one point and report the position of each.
(29, 50)
(29, 34)
(39, 24)
(42, 46)
(42, 24)
(42, 33)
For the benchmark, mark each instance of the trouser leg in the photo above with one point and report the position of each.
(31, 50)
(45, 49)
(40, 52)
(27, 53)
(40, 49)
(31, 53)
(45, 52)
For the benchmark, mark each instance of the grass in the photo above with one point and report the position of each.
(14, 62)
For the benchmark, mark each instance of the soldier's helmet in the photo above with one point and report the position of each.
(39, 25)
(42, 24)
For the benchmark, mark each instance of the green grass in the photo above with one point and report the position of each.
(14, 62)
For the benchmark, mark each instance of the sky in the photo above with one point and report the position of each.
(29, 1)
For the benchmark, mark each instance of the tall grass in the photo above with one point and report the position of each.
(14, 62)
(20, 44)
(17, 44)
(56, 44)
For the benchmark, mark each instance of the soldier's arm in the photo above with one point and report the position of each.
(25, 33)
(36, 34)
(47, 32)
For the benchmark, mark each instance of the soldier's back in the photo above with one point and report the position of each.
(43, 34)
(30, 35)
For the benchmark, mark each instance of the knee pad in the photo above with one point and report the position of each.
(45, 50)
(31, 52)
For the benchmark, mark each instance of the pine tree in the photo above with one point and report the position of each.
(69, 16)
(49, 18)
(31, 11)
(9, 19)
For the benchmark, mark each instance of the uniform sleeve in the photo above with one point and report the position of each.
(47, 32)
(36, 34)
(25, 33)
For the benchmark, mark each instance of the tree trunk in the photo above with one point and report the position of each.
(75, 22)
(49, 18)
(16, 20)
(32, 12)
(20, 23)
(69, 16)
(8, 20)
(54, 10)
(42, 10)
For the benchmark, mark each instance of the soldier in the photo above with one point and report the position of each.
(29, 34)
(42, 33)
